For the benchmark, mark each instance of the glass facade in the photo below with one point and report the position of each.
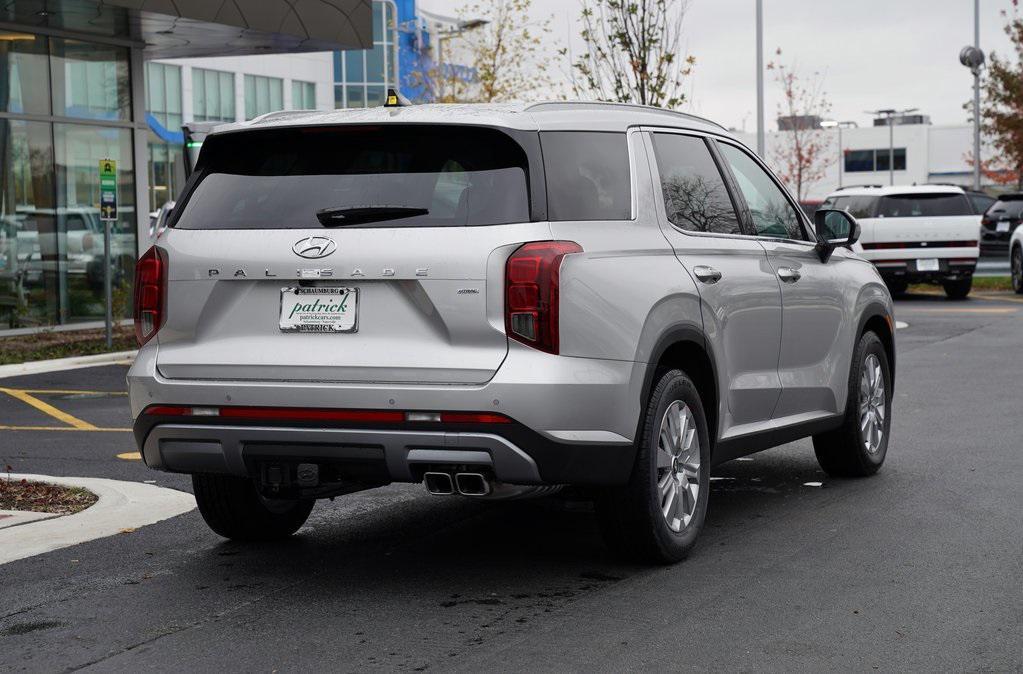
(163, 111)
(212, 96)
(263, 95)
(66, 104)
(361, 78)
(303, 95)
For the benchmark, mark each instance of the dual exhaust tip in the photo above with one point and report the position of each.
(466, 484)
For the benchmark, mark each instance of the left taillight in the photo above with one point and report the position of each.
(150, 293)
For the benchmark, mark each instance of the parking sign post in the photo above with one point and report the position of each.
(108, 215)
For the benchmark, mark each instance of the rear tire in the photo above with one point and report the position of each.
(233, 508)
(1016, 263)
(958, 290)
(855, 449)
(657, 516)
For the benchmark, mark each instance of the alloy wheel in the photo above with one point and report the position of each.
(872, 404)
(678, 466)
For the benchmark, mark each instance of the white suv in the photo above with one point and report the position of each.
(915, 233)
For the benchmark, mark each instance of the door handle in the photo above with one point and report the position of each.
(707, 275)
(789, 275)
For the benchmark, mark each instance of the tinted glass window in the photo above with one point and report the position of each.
(587, 175)
(1010, 209)
(773, 215)
(924, 205)
(981, 202)
(695, 197)
(396, 176)
(859, 160)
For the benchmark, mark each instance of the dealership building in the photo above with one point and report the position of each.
(73, 92)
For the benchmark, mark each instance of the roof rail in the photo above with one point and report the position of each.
(853, 187)
(612, 104)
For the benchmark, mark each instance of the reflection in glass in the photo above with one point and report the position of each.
(695, 197)
(23, 70)
(78, 150)
(90, 80)
(772, 213)
(29, 249)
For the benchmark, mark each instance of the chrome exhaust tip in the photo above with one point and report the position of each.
(472, 484)
(438, 484)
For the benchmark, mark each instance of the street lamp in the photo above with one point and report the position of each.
(832, 124)
(890, 115)
(760, 77)
(973, 58)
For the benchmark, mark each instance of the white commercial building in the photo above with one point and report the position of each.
(923, 153)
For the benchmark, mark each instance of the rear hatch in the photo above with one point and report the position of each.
(925, 220)
(348, 254)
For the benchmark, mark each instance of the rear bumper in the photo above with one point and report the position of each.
(949, 269)
(574, 420)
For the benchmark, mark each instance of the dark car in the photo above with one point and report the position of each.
(998, 223)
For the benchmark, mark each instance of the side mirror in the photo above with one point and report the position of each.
(834, 228)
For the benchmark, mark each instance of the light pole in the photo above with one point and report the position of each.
(832, 124)
(890, 115)
(973, 58)
(760, 77)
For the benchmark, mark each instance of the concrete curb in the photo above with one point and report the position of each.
(121, 505)
(58, 364)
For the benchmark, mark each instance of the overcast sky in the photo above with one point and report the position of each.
(872, 53)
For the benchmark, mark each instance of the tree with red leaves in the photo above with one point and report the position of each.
(1002, 114)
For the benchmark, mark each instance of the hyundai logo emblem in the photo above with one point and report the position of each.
(314, 247)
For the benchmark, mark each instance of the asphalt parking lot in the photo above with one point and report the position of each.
(916, 569)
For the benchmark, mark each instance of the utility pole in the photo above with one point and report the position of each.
(760, 77)
(829, 124)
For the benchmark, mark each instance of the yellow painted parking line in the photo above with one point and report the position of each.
(69, 392)
(130, 456)
(92, 429)
(47, 408)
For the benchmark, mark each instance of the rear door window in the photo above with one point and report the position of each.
(924, 205)
(379, 176)
(587, 175)
(695, 196)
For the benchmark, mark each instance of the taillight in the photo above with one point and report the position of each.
(531, 292)
(150, 293)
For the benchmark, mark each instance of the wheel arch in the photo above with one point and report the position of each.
(686, 348)
(877, 319)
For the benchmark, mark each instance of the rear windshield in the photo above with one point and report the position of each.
(1007, 208)
(387, 176)
(923, 205)
(859, 206)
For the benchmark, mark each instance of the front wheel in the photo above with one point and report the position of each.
(234, 508)
(958, 290)
(859, 446)
(1017, 269)
(658, 514)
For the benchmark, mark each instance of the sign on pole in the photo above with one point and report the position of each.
(108, 214)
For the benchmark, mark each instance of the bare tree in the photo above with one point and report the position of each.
(504, 58)
(633, 52)
(803, 157)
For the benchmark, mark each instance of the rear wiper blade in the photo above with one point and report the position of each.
(357, 215)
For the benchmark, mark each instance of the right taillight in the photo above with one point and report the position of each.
(150, 293)
(531, 292)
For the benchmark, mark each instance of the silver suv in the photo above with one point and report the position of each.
(496, 301)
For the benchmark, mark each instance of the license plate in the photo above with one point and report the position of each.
(319, 309)
(927, 265)
(1002, 226)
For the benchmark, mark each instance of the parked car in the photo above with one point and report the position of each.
(496, 301)
(981, 201)
(1016, 259)
(999, 222)
(916, 234)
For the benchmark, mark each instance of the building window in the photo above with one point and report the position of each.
(361, 78)
(303, 95)
(867, 161)
(263, 95)
(53, 92)
(163, 115)
(212, 96)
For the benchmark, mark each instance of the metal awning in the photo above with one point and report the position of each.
(183, 28)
